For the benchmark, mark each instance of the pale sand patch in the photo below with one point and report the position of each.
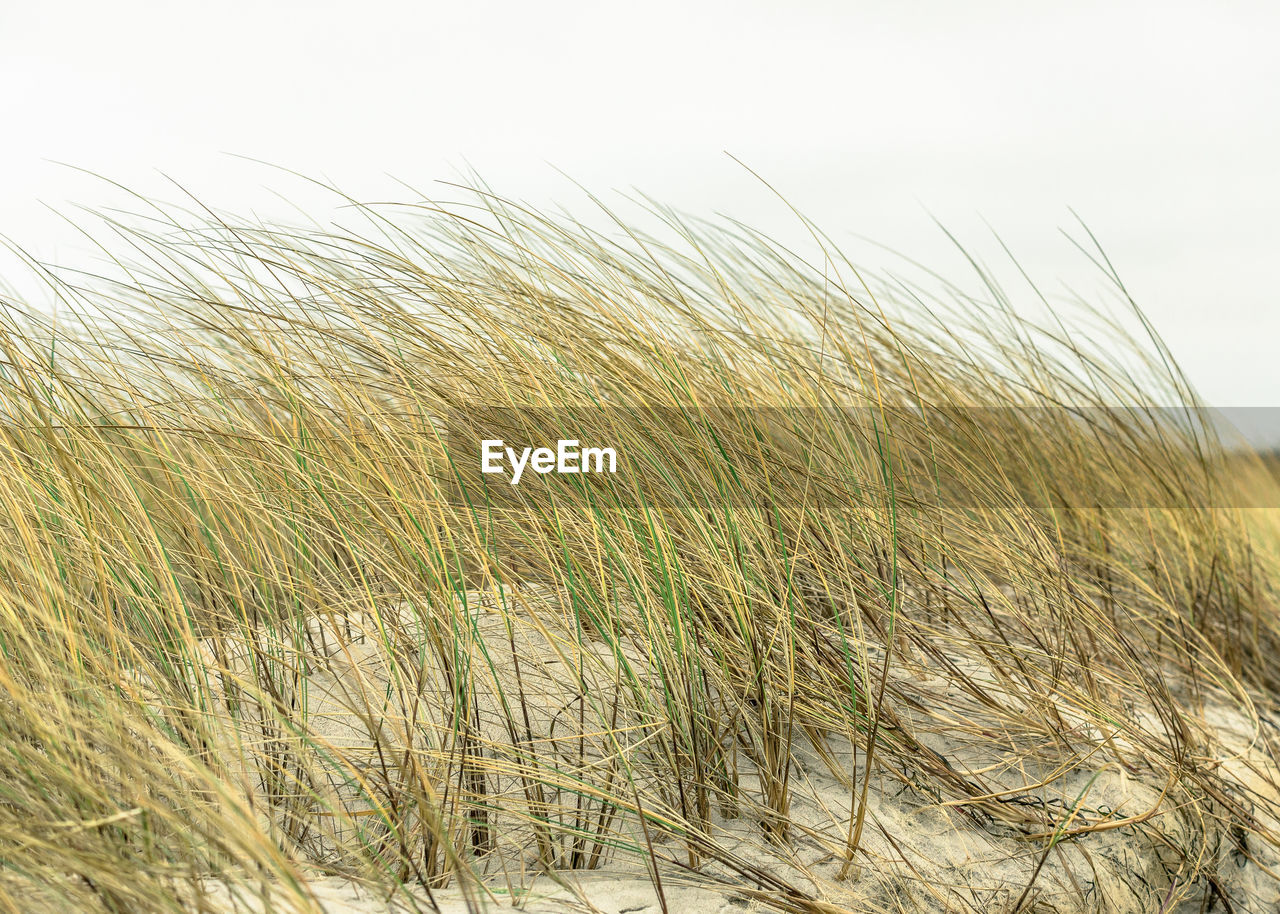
(373, 687)
(603, 892)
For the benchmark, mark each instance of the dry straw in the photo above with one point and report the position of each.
(843, 633)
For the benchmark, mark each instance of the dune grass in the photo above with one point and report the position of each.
(870, 538)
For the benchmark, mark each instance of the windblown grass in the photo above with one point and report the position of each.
(258, 622)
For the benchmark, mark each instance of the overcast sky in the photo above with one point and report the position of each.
(1158, 122)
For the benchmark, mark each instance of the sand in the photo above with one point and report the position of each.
(919, 847)
(603, 892)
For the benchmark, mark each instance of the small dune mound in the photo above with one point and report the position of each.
(500, 716)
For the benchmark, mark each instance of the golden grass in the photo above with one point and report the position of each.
(252, 630)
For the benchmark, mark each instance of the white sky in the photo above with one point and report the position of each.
(1158, 122)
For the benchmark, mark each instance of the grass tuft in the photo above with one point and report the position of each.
(900, 599)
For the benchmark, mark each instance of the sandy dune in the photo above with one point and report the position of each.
(372, 689)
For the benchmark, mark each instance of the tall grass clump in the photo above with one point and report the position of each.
(899, 599)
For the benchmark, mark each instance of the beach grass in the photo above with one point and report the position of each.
(899, 599)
